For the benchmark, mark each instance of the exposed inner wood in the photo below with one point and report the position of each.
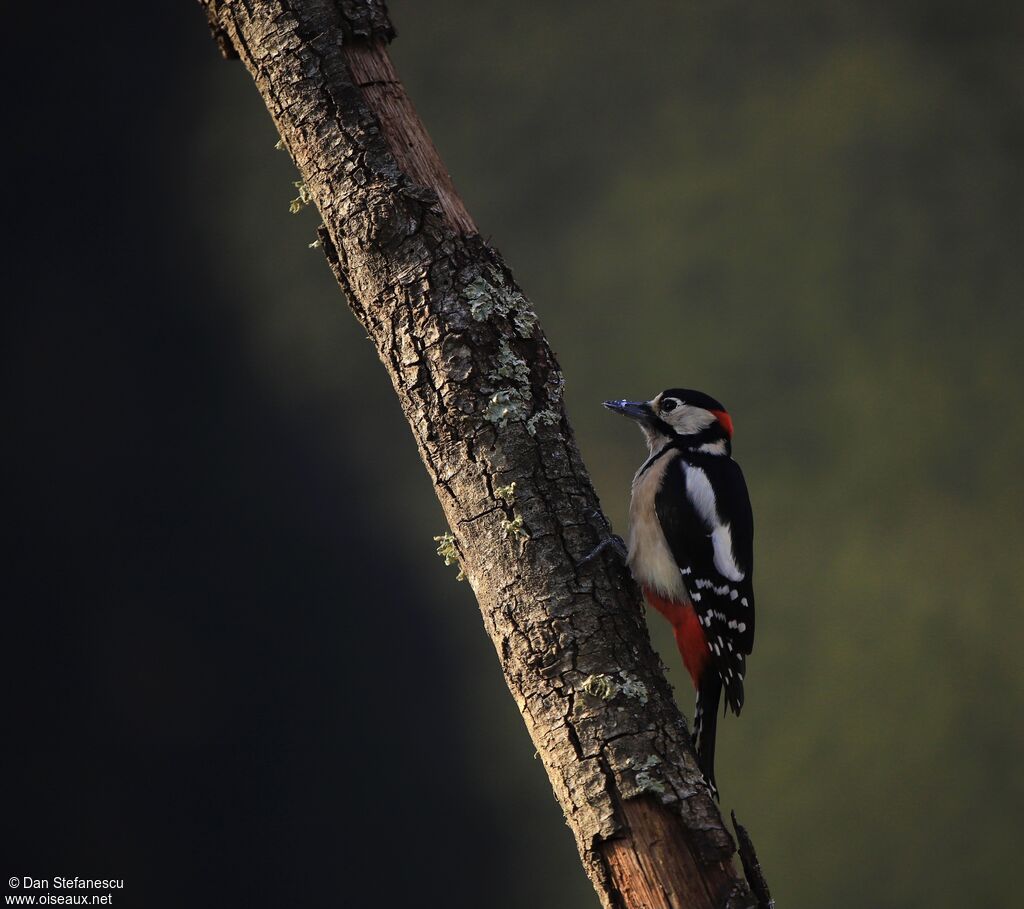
(410, 143)
(653, 866)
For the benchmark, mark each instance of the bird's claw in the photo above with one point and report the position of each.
(612, 542)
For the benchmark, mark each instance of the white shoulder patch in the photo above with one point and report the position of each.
(698, 488)
(702, 495)
(725, 562)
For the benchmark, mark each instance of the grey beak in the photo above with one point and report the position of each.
(635, 410)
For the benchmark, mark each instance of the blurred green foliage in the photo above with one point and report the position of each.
(814, 212)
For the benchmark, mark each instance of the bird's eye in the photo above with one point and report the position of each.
(668, 405)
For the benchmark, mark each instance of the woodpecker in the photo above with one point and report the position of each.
(691, 547)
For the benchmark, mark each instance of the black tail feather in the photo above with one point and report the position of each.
(705, 726)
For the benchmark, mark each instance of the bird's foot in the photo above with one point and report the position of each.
(612, 542)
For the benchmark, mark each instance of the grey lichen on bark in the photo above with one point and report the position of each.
(482, 392)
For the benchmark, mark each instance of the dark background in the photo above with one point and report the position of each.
(235, 671)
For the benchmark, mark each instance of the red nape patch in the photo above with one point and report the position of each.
(725, 420)
(693, 646)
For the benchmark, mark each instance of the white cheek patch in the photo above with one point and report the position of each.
(688, 419)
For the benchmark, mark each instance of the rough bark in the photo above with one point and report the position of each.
(483, 395)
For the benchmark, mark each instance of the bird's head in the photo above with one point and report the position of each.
(682, 416)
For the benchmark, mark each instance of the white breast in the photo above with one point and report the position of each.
(650, 560)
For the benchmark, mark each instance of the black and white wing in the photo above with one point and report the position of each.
(704, 510)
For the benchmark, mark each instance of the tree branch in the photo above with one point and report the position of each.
(482, 392)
